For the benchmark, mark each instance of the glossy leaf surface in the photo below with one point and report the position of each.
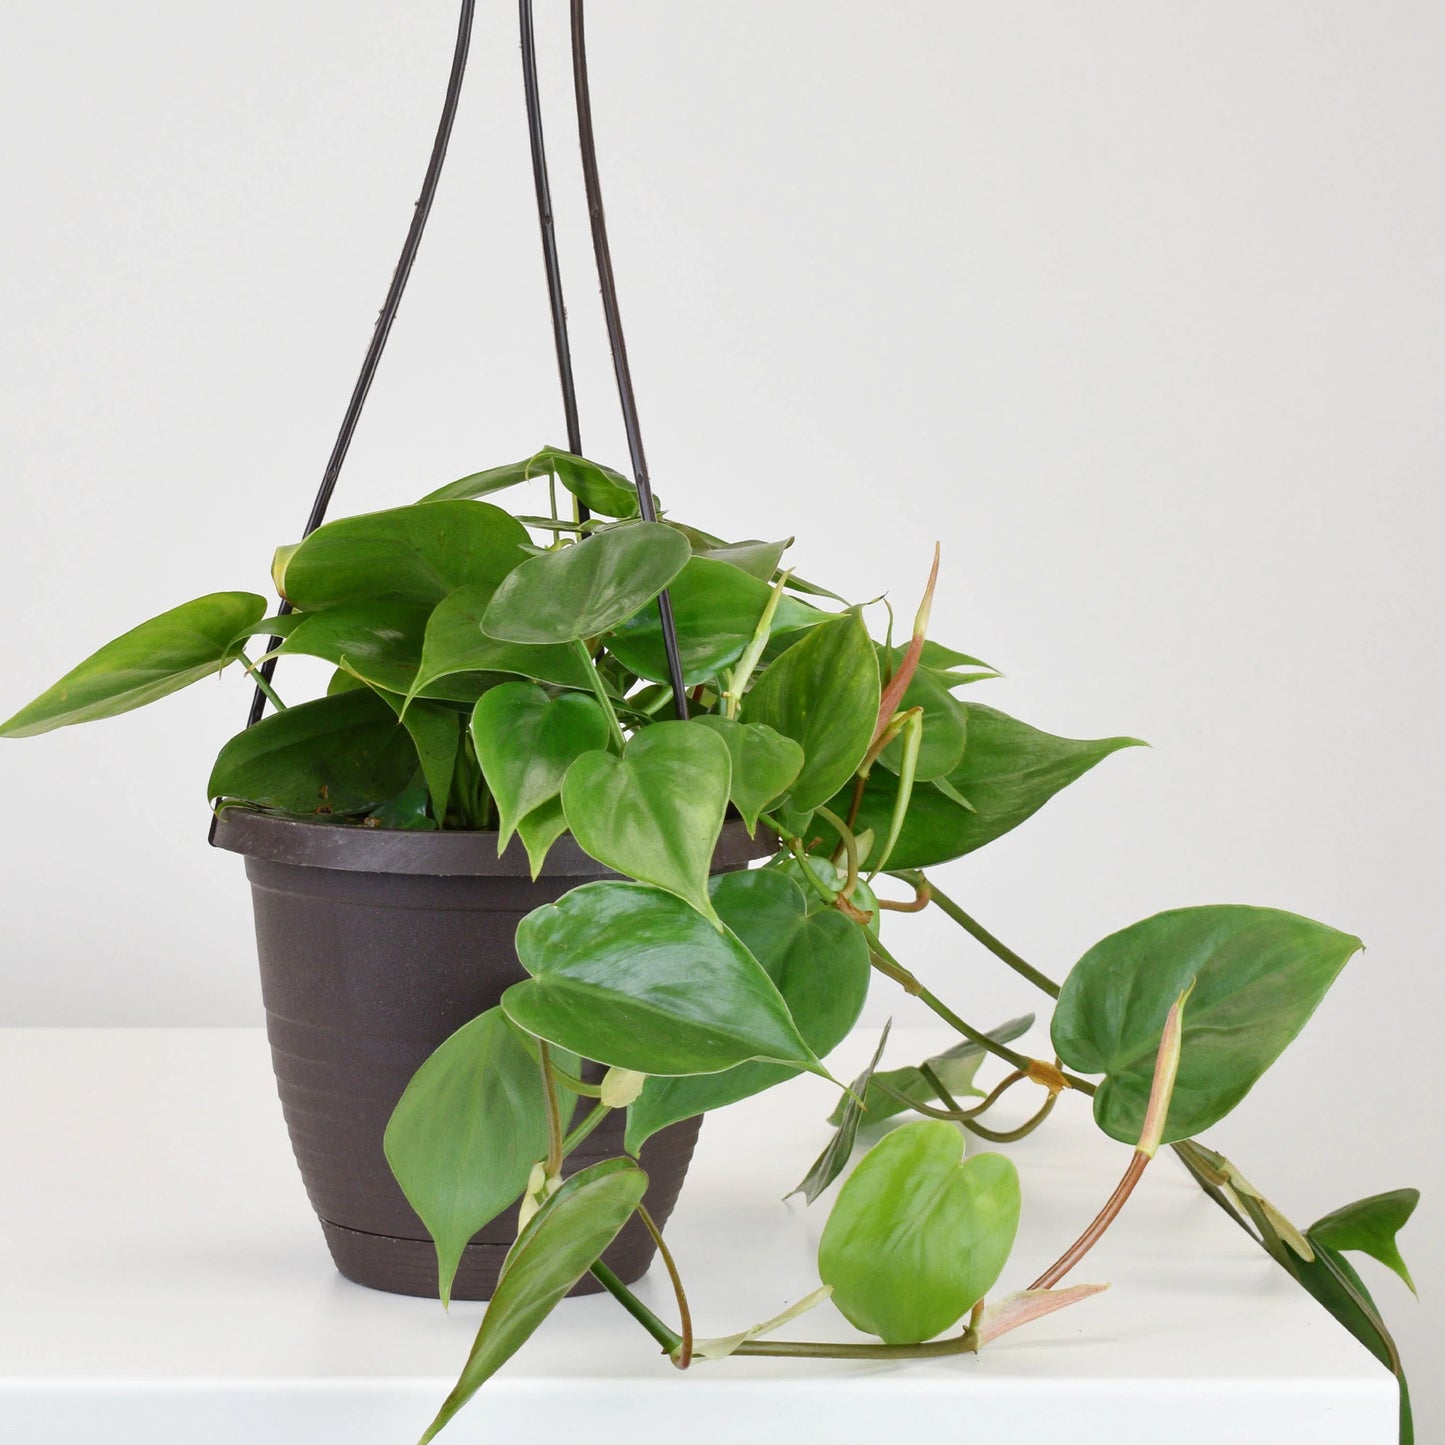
(1009, 771)
(526, 741)
(418, 554)
(955, 1067)
(823, 693)
(1258, 975)
(764, 764)
(160, 656)
(605, 491)
(589, 588)
(464, 1136)
(539, 829)
(455, 643)
(716, 607)
(637, 979)
(1370, 1226)
(819, 962)
(341, 754)
(654, 813)
(919, 1234)
(560, 1243)
(377, 642)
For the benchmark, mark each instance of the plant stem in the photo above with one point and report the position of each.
(593, 1118)
(668, 1339)
(966, 1343)
(683, 1358)
(915, 879)
(555, 1146)
(600, 689)
(263, 683)
(1010, 1136)
(1091, 1236)
(850, 849)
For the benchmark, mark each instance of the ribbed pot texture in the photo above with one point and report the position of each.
(374, 946)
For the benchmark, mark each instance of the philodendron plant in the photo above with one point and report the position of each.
(513, 673)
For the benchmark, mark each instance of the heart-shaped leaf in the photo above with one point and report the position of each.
(654, 813)
(1258, 975)
(603, 490)
(1370, 1226)
(341, 754)
(539, 830)
(560, 1243)
(819, 962)
(526, 741)
(764, 764)
(464, 1136)
(436, 732)
(823, 693)
(455, 643)
(954, 1067)
(919, 1234)
(378, 642)
(1009, 771)
(418, 554)
(160, 656)
(716, 608)
(637, 979)
(589, 588)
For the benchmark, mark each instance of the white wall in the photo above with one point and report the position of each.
(1137, 307)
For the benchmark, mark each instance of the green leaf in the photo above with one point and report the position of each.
(526, 741)
(757, 559)
(654, 813)
(945, 728)
(824, 694)
(956, 1067)
(436, 732)
(831, 876)
(637, 979)
(1370, 1226)
(160, 656)
(919, 1234)
(539, 830)
(455, 643)
(341, 754)
(464, 1136)
(1009, 771)
(600, 488)
(561, 1242)
(819, 962)
(586, 589)
(378, 642)
(418, 554)
(839, 1149)
(1258, 975)
(716, 608)
(409, 810)
(764, 764)
(953, 669)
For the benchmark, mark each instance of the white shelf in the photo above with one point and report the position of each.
(165, 1281)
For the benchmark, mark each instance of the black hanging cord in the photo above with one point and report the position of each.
(610, 308)
(549, 236)
(387, 314)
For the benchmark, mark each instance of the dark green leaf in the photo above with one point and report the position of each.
(341, 754)
(455, 643)
(436, 731)
(824, 694)
(1009, 771)
(586, 589)
(418, 554)
(863, 897)
(953, 669)
(526, 741)
(764, 764)
(602, 489)
(839, 1149)
(655, 813)
(716, 608)
(945, 726)
(1370, 1226)
(465, 1134)
(918, 1234)
(409, 810)
(561, 1242)
(819, 962)
(160, 656)
(378, 642)
(637, 979)
(956, 1068)
(1258, 975)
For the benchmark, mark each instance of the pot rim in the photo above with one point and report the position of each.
(350, 848)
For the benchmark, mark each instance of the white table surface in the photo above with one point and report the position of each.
(162, 1280)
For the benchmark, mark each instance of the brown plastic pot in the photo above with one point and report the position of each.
(374, 946)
